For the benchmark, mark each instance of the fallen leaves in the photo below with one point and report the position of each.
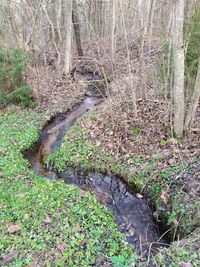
(82, 194)
(47, 219)
(13, 229)
(8, 259)
(62, 247)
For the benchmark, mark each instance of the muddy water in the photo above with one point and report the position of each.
(132, 214)
(52, 134)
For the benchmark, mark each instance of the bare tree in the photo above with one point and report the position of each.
(178, 50)
(68, 37)
(76, 25)
(113, 27)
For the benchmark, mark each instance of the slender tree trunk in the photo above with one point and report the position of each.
(134, 98)
(68, 37)
(179, 104)
(58, 20)
(194, 101)
(151, 15)
(113, 26)
(143, 30)
(77, 29)
(53, 33)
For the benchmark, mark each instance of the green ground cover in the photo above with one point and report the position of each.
(47, 222)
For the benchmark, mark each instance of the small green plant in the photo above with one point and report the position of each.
(121, 261)
(163, 142)
(92, 117)
(138, 161)
(136, 129)
(22, 96)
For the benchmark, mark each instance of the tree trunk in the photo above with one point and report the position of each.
(58, 20)
(68, 37)
(113, 26)
(194, 101)
(77, 29)
(178, 48)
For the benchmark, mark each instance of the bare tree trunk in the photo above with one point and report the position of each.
(143, 14)
(113, 26)
(34, 24)
(53, 33)
(194, 101)
(179, 104)
(58, 20)
(134, 98)
(68, 38)
(77, 29)
(151, 15)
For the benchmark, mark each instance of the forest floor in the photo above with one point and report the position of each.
(47, 222)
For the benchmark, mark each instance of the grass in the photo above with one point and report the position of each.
(54, 223)
(179, 210)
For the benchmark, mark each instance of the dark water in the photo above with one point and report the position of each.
(133, 215)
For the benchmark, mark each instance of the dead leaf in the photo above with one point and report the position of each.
(185, 264)
(12, 229)
(173, 141)
(171, 161)
(129, 161)
(82, 193)
(139, 196)
(47, 219)
(98, 143)
(133, 170)
(176, 223)
(8, 259)
(33, 264)
(62, 247)
(165, 197)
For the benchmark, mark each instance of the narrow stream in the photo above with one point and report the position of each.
(133, 215)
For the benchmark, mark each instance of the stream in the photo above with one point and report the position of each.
(132, 212)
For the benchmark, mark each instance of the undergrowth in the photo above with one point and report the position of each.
(12, 88)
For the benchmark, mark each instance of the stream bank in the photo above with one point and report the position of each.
(132, 213)
(147, 176)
